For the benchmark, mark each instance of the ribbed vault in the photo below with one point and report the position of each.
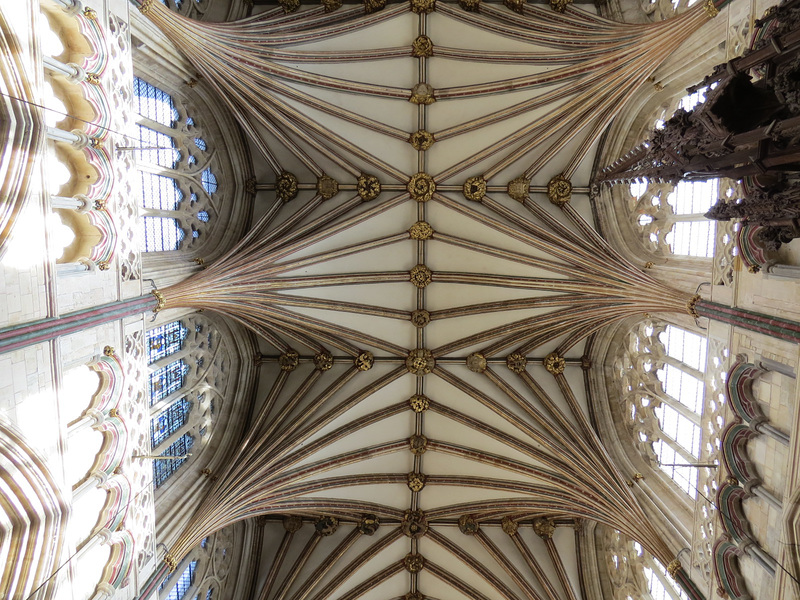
(423, 279)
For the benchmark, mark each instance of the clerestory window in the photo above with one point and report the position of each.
(670, 219)
(176, 180)
(663, 383)
(185, 369)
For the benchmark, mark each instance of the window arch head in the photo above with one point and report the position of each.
(188, 361)
(206, 572)
(664, 223)
(177, 185)
(193, 174)
(661, 381)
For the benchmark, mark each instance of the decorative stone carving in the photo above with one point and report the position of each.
(289, 360)
(418, 444)
(286, 187)
(422, 47)
(559, 190)
(326, 525)
(414, 596)
(292, 523)
(420, 276)
(144, 8)
(414, 563)
(422, 93)
(419, 403)
(510, 526)
(331, 5)
(421, 187)
(470, 5)
(519, 188)
(518, 6)
(420, 230)
(468, 525)
(554, 363)
(420, 318)
(161, 302)
(516, 362)
(560, 5)
(421, 139)
(368, 524)
(169, 560)
(420, 361)
(289, 6)
(364, 361)
(673, 567)
(476, 362)
(327, 187)
(371, 6)
(416, 481)
(414, 524)
(475, 188)
(368, 187)
(544, 528)
(323, 361)
(423, 6)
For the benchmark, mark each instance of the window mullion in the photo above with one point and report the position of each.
(666, 583)
(170, 358)
(683, 367)
(179, 433)
(681, 409)
(685, 454)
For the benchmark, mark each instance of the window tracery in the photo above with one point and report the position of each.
(188, 372)
(670, 219)
(672, 390)
(175, 167)
(636, 574)
(206, 572)
(662, 374)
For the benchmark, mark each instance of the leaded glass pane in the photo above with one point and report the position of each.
(692, 238)
(158, 234)
(153, 103)
(209, 181)
(157, 148)
(693, 197)
(684, 477)
(679, 428)
(163, 469)
(656, 587)
(159, 192)
(685, 388)
(165, 340)
(166, 380)
(184, 582)
(169, 421)
(689, 348)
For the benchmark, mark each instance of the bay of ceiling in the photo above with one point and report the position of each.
(426, 343)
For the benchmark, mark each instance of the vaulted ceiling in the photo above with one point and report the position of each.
(423, 351)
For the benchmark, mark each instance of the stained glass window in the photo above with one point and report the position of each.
(153, 103)
(165, 340)
(169, 421)
(163, 469)
(157, 234)
(184, 582)
(166, 380)
(164, 172)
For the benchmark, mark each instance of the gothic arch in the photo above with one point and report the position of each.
(658, 495)
(33, 516)
(159, 64)
(235, 374)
